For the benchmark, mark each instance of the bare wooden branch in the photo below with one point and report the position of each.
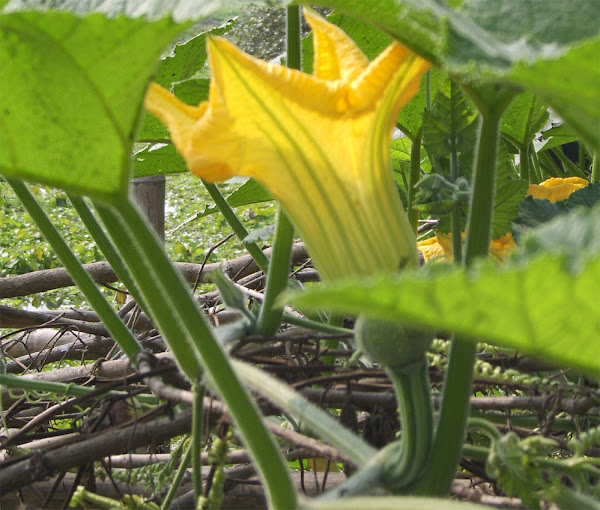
(102, 273)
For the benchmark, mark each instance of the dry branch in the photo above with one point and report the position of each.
(102, 273)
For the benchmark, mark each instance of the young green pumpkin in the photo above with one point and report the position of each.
(401, 350)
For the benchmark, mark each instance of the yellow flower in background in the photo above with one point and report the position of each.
(554, 189)
(319, 143)
(439, 247)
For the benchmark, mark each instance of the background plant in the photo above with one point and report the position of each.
(542, 277)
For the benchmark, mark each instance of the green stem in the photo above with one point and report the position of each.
(569, 166)
(595, 177)
(270, 316)
(524, 163)
(294, 37)
(118, 330)
(582, 158)
(314, 325)
(413, 178)
(279, 266)
(335, 320)
(536, 176)
(197, 436)
(152, 260)
(181, 470)
(459, 377)
(162, 310)
(319, 421)
(108, 249)
(69, 390)
(456, 224)
(236, 225)
(413, 393)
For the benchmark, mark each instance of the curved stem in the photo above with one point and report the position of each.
(535, 177)
(405, 460)
(119, 331)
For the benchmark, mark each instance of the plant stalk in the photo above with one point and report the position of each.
(454, 411)
(119, 331)
(270, 316)
(108, 249)
(236, 225)
(524, 162)
(595, 177)
(197, 436)
(456, 224)
(198, 342)
(413, 178)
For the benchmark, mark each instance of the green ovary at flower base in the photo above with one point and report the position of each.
(319, 143)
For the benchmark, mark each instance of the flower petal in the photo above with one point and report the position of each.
(556, 189)
(336, 56)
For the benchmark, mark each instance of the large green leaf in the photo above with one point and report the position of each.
(251, 192)
(180, 10)
(525, 116)
(449, 117)
(545, 303)
(157, 159)
(410, 118)
(550, 48)
(176, 72)
(510, 191)
(71, 92)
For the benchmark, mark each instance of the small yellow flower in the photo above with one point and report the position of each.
(554, 189)
(319, 143)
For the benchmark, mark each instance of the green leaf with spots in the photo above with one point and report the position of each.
(543, 304)
(157, 159)
(71, 93)
(180, 10)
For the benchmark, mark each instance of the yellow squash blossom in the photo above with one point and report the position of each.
(319, 143)
(553, 189)
(556, 188)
